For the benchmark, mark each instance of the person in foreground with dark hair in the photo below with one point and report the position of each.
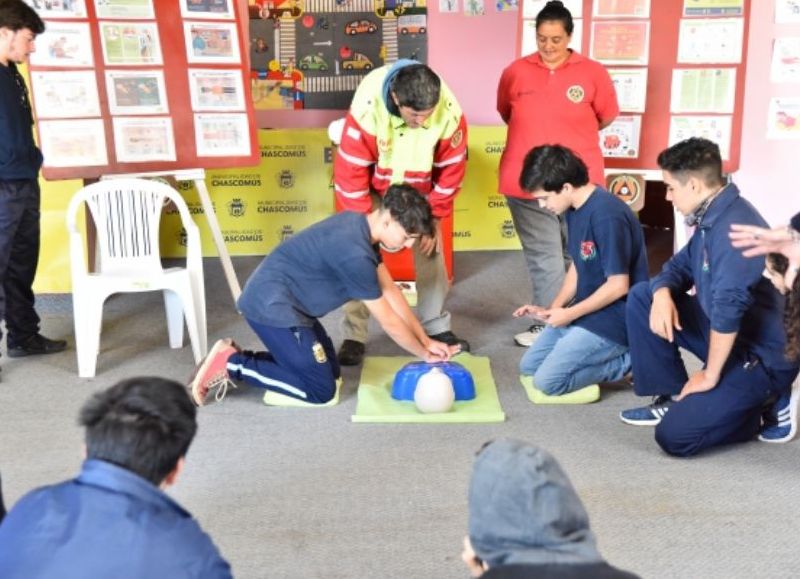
(733, 322)
(305, 278)
(114, 519)
(404, 126)
(585, 341)
(20, 161)
(526, 520)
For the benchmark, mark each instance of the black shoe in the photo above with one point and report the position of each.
(351, 353)
(36, 345)
(451, 339)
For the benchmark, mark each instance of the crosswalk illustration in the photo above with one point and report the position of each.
(316, 6)
(287, 41)
(317, 84)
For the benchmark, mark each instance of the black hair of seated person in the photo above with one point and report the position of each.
(409, 208)
(694, 157)
(550, 167)
(142, 424)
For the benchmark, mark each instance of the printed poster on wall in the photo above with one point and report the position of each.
(620, 139)
(630, 85)
(783, 121)
(787, 12)
(713, 128)
(620, 42)
(713, 7)
(786, 59)
(314, 55)
(713, 40)
(481, 219)
(703, 90)
(621, 9)
(258, 207)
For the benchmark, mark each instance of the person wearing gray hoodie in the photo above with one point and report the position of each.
(526, 520)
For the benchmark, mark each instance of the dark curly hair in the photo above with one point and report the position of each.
(791, 313)
(791, 321)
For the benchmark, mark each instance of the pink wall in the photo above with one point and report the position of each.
(468, 52)
(768, 171)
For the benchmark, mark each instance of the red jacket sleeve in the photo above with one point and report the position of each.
(449, 166)
(352, 167)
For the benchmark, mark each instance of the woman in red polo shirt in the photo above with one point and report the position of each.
(553, 96)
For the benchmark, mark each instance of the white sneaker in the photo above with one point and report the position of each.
(527, 338)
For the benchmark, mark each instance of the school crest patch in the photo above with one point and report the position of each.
(588, 250)
(575, 93)
(319, 353)
(456, 139)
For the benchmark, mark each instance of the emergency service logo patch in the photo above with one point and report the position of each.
(456, 139)
(319, 353)
(575, 93)
(384, 145)
(588, 250)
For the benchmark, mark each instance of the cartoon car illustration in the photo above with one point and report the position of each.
(412, 24)
(383, 7)
(357, 62)
(360, 27)
(312, 62)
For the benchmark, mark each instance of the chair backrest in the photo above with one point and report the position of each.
(335, 130)
(127, 216)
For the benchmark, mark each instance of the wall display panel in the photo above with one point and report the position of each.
(146, 100)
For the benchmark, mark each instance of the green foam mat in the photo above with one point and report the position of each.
(375, 402)
(585, 395)
(275, 399)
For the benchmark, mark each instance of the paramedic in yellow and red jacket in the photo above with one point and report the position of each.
(404, 126)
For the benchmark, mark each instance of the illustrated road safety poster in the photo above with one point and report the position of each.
(621, 138)
(312, 54)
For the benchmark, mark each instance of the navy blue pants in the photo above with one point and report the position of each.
(300, 362)
(19, 257)
(728, 413)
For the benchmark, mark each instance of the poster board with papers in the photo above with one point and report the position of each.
(139, 86)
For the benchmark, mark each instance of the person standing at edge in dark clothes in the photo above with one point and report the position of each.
(733, 323)
(526, 520)
(554, 96)
(20, 161)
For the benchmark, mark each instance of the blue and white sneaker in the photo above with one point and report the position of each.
(780, 421)
(648, 415)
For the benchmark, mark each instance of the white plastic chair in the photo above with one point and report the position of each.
(127, 216)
